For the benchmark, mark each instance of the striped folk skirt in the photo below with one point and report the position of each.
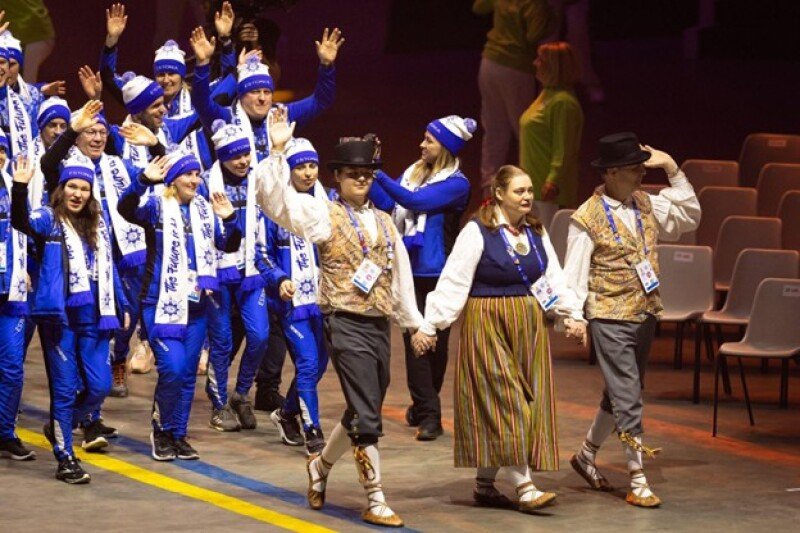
(504, 396)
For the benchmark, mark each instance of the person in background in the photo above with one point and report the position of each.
(550, 132)
(426, 203)
(506, 76)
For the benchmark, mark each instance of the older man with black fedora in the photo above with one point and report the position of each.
(612, 266)
(366, 280)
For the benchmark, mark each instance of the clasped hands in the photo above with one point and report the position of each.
(575, 329)
(422, 343)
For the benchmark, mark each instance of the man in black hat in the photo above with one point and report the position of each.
(366, 279)
(612, 267)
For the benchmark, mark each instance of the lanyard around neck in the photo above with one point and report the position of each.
(515, 258)
(613, 224)
(362, 239)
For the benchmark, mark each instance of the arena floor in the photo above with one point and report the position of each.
(746, 479)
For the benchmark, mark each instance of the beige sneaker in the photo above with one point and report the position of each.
(142, 359)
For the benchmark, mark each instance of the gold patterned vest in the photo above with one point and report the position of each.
(615, 292)
(341, 256)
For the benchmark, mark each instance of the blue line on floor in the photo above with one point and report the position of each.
(231, 478)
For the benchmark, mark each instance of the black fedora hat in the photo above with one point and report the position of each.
(355, 153)
(620, 150)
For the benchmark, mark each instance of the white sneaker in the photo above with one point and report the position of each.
(142, 359)
(202, 366)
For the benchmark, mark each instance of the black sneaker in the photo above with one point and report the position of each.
(268, 399)
(107, 431)
(163, 448)
(93, 439)
(315, 440)
(244, 410)
(70, 471)
(184, 450)
(224, 419)
(289, 428)
(13, 449)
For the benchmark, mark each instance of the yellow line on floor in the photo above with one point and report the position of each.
(170, 484)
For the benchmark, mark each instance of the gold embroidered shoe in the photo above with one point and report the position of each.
(639, 501)
(595, 479)
(535, 504)
(392, 520)
(316, 499)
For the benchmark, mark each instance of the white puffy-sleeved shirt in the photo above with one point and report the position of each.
(309, 217)
(445, 303)
(675, 209)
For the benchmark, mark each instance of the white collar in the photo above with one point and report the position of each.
(501, 217)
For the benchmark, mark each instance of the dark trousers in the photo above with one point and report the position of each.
(359, 350)
(269, 374)
(426, 374)
(623, 349)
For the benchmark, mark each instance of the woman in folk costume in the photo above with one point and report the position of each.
(241, 275)
(254, 91)
(14, 309)
(183, 233)
(427, 202)
(76, 303)
(296, 271)
(88, 132)
(504, 274)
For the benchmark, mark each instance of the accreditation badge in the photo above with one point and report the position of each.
(647, 276)
(366, 276)
(194, 288)
(544, 293)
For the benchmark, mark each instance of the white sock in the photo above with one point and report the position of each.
(338, 443)
(484, 480)
(520, 475)
(368, 463)
(635, 468)
(602, 427)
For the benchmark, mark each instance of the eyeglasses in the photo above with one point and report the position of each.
(356, 173)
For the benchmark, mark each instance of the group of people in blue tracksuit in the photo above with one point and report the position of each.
(153, 222)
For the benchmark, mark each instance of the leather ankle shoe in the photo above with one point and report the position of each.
(429, 432)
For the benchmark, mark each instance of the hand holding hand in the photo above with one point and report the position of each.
(86, 117)
(549, 192)
(328, 47)
(576, 329)
(287, 290)
(138, 134)
(156, 169)
(202, 46)
(116, 20)
(55, 88)
(23, 170)
(280, 131)
(221, 205)
(223, 21)
(421, 343)
(91, 82)
(659, 159)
